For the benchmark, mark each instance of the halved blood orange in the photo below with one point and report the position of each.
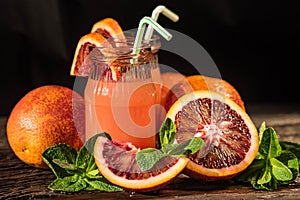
(109, 28)
(81, 64)
(231, 138)
(117, 163)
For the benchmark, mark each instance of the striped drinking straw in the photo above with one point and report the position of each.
(155, 14)
(139, 35)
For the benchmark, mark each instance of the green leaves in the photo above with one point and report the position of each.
(74, 170)
(272, 165)
(266, 176)
(148, 157)
(68, 184)
(167, 132)
(269, 144)
(276, 163)
(280, 171)
(62, 152)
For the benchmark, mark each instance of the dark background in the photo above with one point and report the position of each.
(255, 44)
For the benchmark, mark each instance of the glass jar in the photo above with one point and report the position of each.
(122, 94)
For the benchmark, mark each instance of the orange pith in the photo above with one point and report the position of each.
(231, 138)
(116, 162)
(201, 82)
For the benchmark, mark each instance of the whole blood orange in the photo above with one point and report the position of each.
(45, 116)
(117, 162)
(231, 138)
(200, 82)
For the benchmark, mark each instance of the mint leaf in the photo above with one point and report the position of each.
(65, 165)
(266, 176)
(94, 173)
(85, 157)
(290, 160)
(280, 171)
(62, 152)
(262, 128)
(186, 148)
(167, 132)
(102, 185)
(269, 146)
(147, 158)
(272, 185)
(68, 184)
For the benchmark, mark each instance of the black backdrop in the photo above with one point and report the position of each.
(255, 44)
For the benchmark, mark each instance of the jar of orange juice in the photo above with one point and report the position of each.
(122, 93)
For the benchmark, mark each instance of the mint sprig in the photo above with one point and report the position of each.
(272, 166)
(76, 171)
(147, 158)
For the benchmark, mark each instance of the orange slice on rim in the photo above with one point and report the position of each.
(81, 65)
(109, 27)
(105, 33)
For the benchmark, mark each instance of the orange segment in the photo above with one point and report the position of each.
(231, 138)
(117, 163)
(109, 27)
(81, 65)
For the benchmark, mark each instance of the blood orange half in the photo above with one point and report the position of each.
(117, 162)
(81, 64)
(231, 138)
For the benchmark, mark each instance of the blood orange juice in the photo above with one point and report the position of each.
(127, 111)
(122, 99)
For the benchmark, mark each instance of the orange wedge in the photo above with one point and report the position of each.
(109, 27)
(117, 162)
(105, 33)
(81, 65)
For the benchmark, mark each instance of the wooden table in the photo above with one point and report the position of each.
(20, 181)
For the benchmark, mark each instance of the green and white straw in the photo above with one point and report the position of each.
(155, 14)
(139, 35)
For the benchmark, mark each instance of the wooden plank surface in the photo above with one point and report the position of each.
(20, 181)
